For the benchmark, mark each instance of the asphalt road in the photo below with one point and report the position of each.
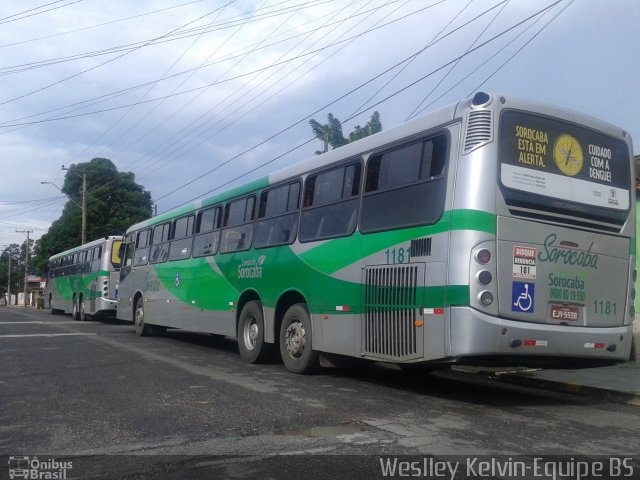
(183, 405)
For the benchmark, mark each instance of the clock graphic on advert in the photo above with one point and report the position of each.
(567, 153)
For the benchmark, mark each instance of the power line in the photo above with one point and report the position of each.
(354, 90)
(105, 97)
(525, 44)
(170, 37)
(456, 64)
(170, 140)
(97, 25)
(103, 63)
(151, 87)
(6, 19)
(215, 107)
(184, 92)
(406, 65)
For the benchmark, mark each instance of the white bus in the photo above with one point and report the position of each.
(496, 229)
(83, 281)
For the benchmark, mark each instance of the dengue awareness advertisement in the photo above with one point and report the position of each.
(557, 159)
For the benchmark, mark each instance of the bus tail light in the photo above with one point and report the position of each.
(486, 298)
(483, 256)
(482, 277)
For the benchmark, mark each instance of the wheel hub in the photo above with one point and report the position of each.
(295, 339)
(251, 334)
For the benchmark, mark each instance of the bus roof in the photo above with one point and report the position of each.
(91, 244)
(415, 127)
(360, 147)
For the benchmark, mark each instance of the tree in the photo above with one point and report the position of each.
(372, 126)
(331, 133)
(114, 202)
(17, 267)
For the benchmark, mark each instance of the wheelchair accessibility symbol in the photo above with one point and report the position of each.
(522, 297)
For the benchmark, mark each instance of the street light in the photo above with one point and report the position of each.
(83, 207)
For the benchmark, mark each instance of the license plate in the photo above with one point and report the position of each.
(563, 313)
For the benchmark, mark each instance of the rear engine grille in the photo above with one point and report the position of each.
(391, 309)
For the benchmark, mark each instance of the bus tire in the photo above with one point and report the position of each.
(83, 316)
(296, 339)
(54, 311)
(75, 312)
(142, 329)
(253, 348)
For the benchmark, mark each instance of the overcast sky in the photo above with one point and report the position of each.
(172, 89)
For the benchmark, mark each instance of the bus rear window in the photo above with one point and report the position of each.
(557, 166)
(115, 254)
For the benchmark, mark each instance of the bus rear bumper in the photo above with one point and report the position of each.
(106, 305)
(473, 333)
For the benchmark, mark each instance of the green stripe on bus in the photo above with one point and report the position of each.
(333, 255)
(473, 220)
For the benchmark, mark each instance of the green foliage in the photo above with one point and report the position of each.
(17, 267)
(114, 202)
(372, 126)
(331, 133)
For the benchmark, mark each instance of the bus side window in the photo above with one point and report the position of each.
(127, 251)
(331, 203)
(238, 232)
(142, 248)
(207, 232)
(406, 186)
(85, 266)
(97, 256)
(182, 241)
(160, 243)
(277, 216)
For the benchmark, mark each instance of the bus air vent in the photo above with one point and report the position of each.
(391, 307)
(479, 129)
(421, 247)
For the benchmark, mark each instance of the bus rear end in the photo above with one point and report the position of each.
(556, 279)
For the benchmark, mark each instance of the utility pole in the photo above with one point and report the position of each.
(84, 208)
(9, 278)
(26, 265)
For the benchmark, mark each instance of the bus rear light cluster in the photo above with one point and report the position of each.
(483, 270)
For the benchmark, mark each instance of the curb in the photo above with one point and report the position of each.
(528, 380)
(524, 377)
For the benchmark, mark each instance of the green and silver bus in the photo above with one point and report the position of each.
(83, 281)
(495, 229)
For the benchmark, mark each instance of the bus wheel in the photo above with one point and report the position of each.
(253, 348)
(142, 329)
(83, 316)
(54, 311)
(296, 340)
(75, 314)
